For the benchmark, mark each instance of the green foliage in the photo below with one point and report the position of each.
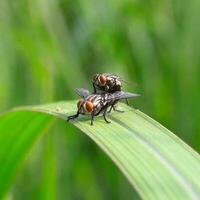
(49, 47)
(137, 144)
(19, 131)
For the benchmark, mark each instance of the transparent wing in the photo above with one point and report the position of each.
(129, 83)
(82, 92)
(122, 95)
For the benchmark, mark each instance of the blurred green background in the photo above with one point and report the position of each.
(49, 47)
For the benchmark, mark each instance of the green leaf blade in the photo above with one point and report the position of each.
(142, 157)
(156, 162)
(18, 132)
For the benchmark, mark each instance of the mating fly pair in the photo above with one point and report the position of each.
(103, 103)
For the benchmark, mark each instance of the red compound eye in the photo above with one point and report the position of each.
(80, 103)
(102, 79)
(89, 106)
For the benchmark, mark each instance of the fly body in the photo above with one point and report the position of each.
(106, 82)
(96, 104)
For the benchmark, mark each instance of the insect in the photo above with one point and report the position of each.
(106, 82)
(95, 104)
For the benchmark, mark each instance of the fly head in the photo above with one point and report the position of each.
(85, 107)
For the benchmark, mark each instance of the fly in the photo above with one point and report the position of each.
(107, 82)
(95, 104)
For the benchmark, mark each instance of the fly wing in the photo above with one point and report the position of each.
(122, 95)
(128, 83)
(82, 92)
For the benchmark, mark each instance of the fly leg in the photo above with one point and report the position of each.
(95, 90)
(73, 116)
(115, 109)
(92, 118)
(127, 102)
(104, 115)
(111, 107)
(120, 111)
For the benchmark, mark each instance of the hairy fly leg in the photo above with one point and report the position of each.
(92, 118)
(73, 117)
(104, 115)
(95, 90)
(113, 107)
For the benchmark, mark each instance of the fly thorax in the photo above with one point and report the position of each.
(118, 82)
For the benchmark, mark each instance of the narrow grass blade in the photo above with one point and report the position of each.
(157, 163)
